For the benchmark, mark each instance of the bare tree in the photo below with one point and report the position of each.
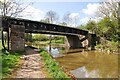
(46, 20)
(52, 16)
(75, 20)
(66, 18)
(71, 19)
(12, 7)
(108, 9)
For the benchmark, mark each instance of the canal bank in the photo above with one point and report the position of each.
(86, 64)
(54, 69)
(83, 63)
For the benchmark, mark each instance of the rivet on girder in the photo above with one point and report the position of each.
(15, 22)
(20, 22)
(28, 24)
(41, 25)
(45, 27)
(34, 26)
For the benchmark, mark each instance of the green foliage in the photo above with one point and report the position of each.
(45, 39)
(9, 62)
(81, 27)
(45, 20)
(91, 26)
(0, 44)
(112, 45)
(58, 39)
(53, 68)
(100, 46)
(28, 37)
(39, 37)
(63, 24)
(109, 45)
(108, 29)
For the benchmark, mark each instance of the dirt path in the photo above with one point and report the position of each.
(32, 66)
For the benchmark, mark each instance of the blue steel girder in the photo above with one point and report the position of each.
(40, 27)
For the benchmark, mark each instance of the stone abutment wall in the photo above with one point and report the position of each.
(17, 39)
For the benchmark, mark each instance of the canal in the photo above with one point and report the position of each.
(85, 64)
(90, 64)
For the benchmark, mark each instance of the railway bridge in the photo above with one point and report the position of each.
(16, 29)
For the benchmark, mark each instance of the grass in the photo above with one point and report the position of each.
(0, 59)
(53, 68)
(9, 63)
(60, 41)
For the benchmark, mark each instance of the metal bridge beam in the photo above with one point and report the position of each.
(35, 26)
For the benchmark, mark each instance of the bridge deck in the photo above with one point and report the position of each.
(40, 27)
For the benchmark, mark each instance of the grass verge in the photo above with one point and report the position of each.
(10, 61)
(53, 68)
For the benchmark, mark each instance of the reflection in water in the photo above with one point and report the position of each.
(86, 64)
(91, 64)
(83, 73)
(55, 52)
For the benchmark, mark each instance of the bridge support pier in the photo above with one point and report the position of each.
(92, 41)
(17, 40)
(73, 42)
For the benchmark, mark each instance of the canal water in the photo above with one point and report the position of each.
(91, 64)
(85, 64)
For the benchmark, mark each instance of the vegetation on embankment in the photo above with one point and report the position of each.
(108, 46)
(107, 30)
(53, 68)
(44, 39)
(10, 62)
(107, 26)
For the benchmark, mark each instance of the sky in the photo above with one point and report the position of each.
(84, 9)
